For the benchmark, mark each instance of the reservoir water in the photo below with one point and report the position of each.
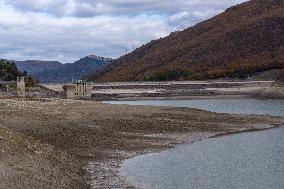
(242, 161)
(232, 106)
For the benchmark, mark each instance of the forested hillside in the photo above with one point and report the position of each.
(245, 39)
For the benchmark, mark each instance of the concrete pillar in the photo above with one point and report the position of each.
(21, 87)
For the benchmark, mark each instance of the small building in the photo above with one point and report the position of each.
(21, 87)
(78, 90)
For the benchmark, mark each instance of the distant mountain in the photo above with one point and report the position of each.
(54, 72)
(36, 67)
(245, 39)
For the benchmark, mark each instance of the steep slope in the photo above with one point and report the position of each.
(280, 80)
(54, 72)
(245, 39)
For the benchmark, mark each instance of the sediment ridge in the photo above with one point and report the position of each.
(80, 144)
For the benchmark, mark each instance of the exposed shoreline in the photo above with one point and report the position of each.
(182, 97)
(87, 131)
(182, 90)
(173, 90)
(217, 135)
(125, 180)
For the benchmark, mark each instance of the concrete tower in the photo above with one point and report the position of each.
(21, 87)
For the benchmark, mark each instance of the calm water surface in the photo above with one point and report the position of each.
(241, 161)
(232, 106)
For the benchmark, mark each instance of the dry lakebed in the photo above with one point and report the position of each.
(56, 143)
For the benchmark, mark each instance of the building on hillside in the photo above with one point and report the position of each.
(21, 87)
(78, 90)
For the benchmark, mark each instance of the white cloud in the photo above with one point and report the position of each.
(66, 30)
(86, 8)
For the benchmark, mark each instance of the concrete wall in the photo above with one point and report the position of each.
(79, 90)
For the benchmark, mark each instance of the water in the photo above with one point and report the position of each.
(232, 106)
(247, 160)
(241, 161)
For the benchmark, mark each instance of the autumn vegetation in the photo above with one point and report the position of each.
(245, 39)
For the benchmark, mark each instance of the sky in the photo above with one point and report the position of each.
(67, 30)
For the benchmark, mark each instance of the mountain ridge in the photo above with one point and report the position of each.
(56, 72)
(245, 39)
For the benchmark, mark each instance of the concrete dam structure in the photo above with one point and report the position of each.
(78, 90)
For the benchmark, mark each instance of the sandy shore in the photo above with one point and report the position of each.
(67, 144)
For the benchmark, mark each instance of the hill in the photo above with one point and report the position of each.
(55, 72)
(37, 66)
(243, 40)
(280, 80)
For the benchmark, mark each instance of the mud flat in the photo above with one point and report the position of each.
(274, 92)
(59, 143)
(177, 89)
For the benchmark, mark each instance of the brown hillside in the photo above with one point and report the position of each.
(281, 78)
(246, 38)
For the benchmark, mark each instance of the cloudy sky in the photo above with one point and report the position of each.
(66, 30)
